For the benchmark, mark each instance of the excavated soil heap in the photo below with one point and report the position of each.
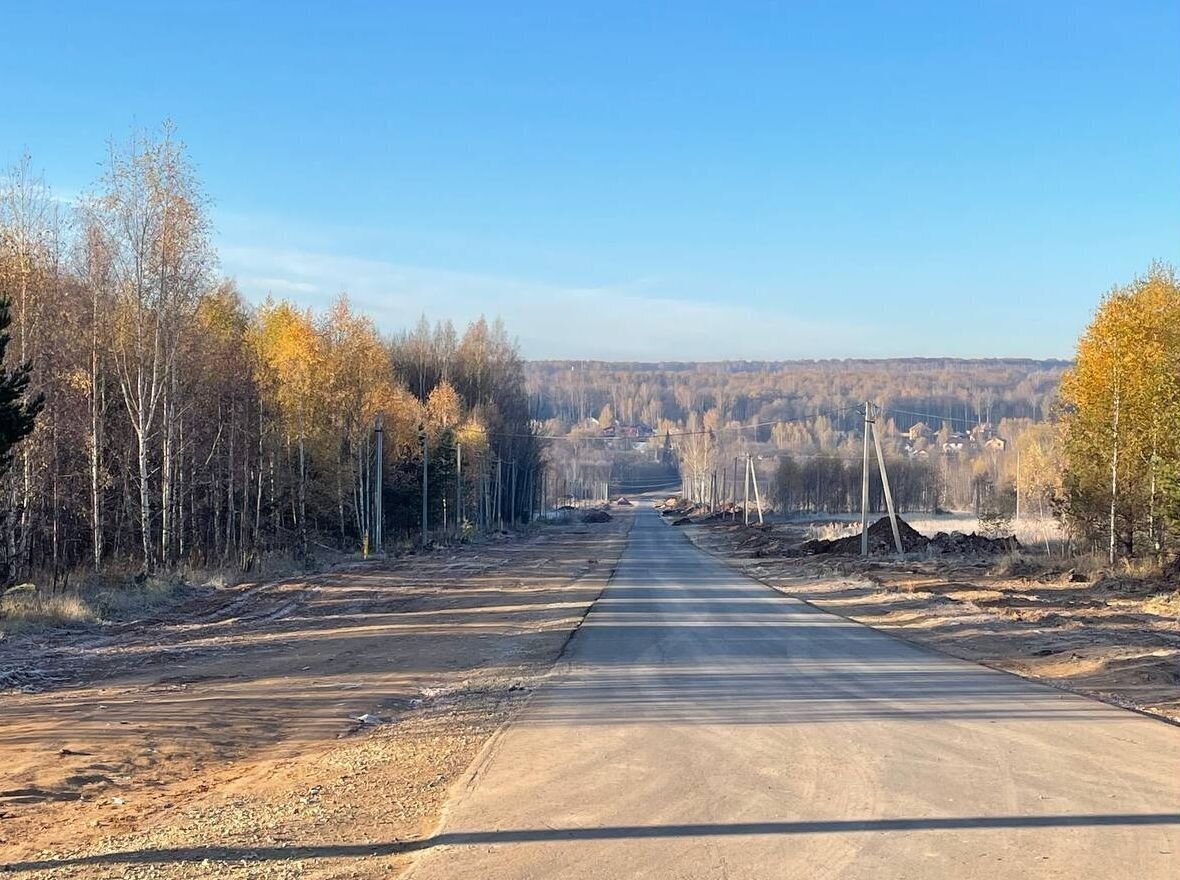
(912, 541)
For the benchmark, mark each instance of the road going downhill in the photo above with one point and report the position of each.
(703, 725)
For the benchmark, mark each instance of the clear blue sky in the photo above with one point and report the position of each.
(639, 180)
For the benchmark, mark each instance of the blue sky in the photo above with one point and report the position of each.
(632, 180)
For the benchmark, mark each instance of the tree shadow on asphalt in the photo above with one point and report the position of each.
(615, 832)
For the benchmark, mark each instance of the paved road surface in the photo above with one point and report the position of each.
(703, 725)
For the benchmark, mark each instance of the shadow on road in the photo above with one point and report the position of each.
(619, 832)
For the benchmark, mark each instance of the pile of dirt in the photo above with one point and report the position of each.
(679, 510)
(596, 516)
(622, 502)
(959, 544)
(711, 516)
(912, 541)
(880, 540)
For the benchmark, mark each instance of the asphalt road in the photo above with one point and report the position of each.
(703, 725)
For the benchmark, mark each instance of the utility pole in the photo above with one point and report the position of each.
(735, 461)
(754, 479)
(499, 495)
(746, 501)
(864, 488)
(459, 488)
(885, 486)
(512, 498)
(1016, 443)
(425, 483)
(377, 505)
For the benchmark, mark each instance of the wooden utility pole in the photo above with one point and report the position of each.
(425, 484)
(512, 498)
(864, 488)
(499, 495)
(885, 486)
(735, 461)
(377, 493)
(1016, 443)
(459, 488)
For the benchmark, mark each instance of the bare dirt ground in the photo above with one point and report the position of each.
(304, 728)
(1116, 638)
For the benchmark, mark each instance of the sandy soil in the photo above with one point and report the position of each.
(1117, 639)
(295, 729)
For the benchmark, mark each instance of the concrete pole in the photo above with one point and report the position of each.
(425, 486)
(757, 495)
(864, 488)
(746, 501)
(378, 507)
(885, 486)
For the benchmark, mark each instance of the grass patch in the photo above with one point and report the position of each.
(1165, 604)
(25, 608)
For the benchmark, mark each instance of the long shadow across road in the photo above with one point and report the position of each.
(558, 835)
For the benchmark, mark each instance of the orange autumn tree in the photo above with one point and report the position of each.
(1121, 405)
(290, 359)
(360, 388)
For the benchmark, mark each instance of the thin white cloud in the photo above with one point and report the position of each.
(626, 321)
(278, 286)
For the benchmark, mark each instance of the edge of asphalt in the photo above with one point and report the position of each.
(470, 778)
(931, 649)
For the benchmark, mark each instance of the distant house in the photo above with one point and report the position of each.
(955, 444)
(919, 431)
(639, 431)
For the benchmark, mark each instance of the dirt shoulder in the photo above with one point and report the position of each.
(1117, 639)
(298, 729)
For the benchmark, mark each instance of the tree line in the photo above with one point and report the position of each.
(960, 392)
(1120, 489)
(170, 423)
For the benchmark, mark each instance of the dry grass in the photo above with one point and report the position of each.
(1165, 604)
(26, 608)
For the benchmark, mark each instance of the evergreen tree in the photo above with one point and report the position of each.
(17, 414)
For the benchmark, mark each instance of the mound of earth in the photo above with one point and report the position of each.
(912, 541)
(971, 545)
(596, 516)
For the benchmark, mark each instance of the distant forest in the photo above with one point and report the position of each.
(952, 428)
(963, 393)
